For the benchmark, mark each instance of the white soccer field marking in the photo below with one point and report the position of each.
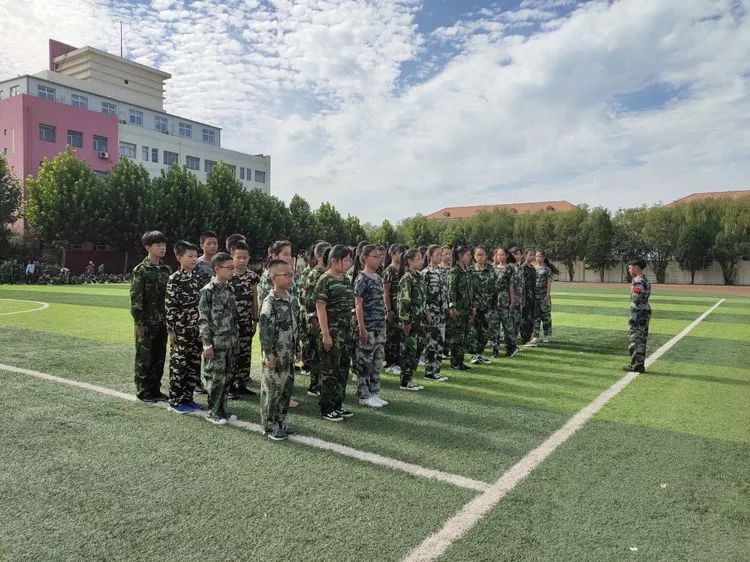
(344, 450)
(44, 305)
(462, 522)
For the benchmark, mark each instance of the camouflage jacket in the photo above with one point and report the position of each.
(205, 271)
(460, 289)
(504, 275)
(245, 286)
(517, 283)
(391, 277)
(640, 291)
(436, 289)
(529, 282)
(373, 305)
(338, 296)
(183, 291)
(265, 287)
(543, 274)
(308, 289)
(217, 319)
(484, 281)
(412, 299)
(148, 290)
(278, 330)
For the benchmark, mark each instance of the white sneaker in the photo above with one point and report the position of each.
(547, 339)
(533, 342)
(380, 399)
(421, 363)
(475, 360)
(370, 401)
(393, 370)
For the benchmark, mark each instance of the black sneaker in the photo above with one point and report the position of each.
(512, 352)
(242, 390)
(495, 352)
(288, 429)
(628, 368)
(435, 377)
(277, 434)
(345, 413)
(148, 399)
(313, 392)
(639, 369)
(200, 390)
(161, 397)
(332, 416)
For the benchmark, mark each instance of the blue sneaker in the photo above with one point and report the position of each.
(180, 408)
(194, 405)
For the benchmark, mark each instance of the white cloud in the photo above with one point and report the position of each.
(318, 84)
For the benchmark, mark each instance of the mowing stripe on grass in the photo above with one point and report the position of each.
(44, 305)
(462, 522)
(373, 458)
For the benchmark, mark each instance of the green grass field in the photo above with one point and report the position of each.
(661, 473)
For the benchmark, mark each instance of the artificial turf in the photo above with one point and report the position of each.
(692, 409)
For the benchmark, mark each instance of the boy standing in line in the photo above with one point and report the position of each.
(244, 282)
(210, 245)
(148, 288)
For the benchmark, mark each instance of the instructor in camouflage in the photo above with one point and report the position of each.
(640, 316)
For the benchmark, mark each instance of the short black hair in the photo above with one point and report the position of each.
(208, 234)
(239, 245)
(153, 237)
(219, 259)
(639, 262)
(273, 264)
(232, 239)
(182, 246)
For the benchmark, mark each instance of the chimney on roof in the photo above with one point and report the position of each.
(57, 49)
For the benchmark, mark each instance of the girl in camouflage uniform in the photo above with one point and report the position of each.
(393, 335)
(519, 285)
(412, 308)
(484, 279)
(436, 287)
(334, 301)
(460, 307)
(529, 302)
(313, 328)
(506, 299)
(543, 298)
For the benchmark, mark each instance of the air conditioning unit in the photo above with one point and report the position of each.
(103, 154)
(165, 131)
(123, 121)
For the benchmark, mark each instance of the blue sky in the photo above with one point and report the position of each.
(390, 108)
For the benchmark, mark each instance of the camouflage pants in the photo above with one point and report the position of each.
(150, 352)
(369, 360)
(184, 367)
(242, 364)
(275, 392)
(637, 337)
(526, 328)
(479, 333)
(457, 334)
(543, 316)
(508, 323)
(411, 348)
(313, 357)
(434, 346)
(334, 370)
(515, 322)
(216, 375)
(493, 319)
(393, 336)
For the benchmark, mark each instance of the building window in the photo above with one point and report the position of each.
(127, 150)
(2, 94)
(13, 91)
(193, 162)
(170, 158)
(155, 155)
(242, 173)
(136, 117)
(109, 109)
(79, 101)
(260, 177)
(5, 152)
(209, 136)
(208, 166)
(45, 92)
(100, 143)
(75, 139)
(233, 169)
(46, 133)
(186, 130)
(144, 153)
(550, 209)
(161, 124)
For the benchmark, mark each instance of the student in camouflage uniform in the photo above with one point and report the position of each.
(519, 288)
(640, 315)
(148, 289)
(334, 301)
(484, 290)
(412, 315)
(369, 305)
(394, 334)
(244, 282)
(209, 242)
(436, 292)
(543, 298)
(183, 289)
(303, 324)
(461, 302)
(529, 299)
(278, 341)
(308, 302)
(506, 299)
(493, 317)
(219, 331)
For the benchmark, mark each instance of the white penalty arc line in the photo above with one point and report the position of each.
(462, 522)
(44, 305)
(344, 450)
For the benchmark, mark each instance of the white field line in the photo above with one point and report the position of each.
(462, 522)
(373, 458)
(44, 305)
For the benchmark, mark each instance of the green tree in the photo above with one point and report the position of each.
(330, 224)
(456, 233)
(385, 234)
(693, 247)
(733, 241)
(178, 205)
(598, 254)
(303, 232)
(354, 230)
(418, 231)
(660, 232)
(568, 238)
(67, 202)
(10, 201)
(127, 190)
(230, 207)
